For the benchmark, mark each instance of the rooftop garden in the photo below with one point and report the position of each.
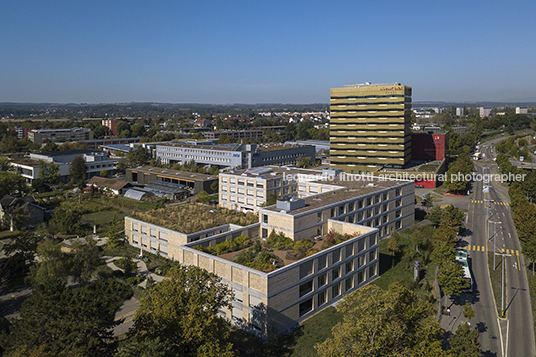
(276, 251)
(192, 218)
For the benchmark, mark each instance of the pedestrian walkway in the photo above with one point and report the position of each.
(481, 248)
(495, 203)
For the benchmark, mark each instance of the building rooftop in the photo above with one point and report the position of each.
(175, 173)
(204, 147)
(193, 218)
(344, 190)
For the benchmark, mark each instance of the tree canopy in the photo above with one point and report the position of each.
(382, 323)
(182, 311)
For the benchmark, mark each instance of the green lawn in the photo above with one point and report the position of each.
(103, 217)
(315, 330)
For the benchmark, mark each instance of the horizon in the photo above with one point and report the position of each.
(263, 53)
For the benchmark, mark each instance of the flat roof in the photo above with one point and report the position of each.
(204, 147)
(347, 187)
(174, 173)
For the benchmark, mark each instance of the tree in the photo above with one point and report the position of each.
(116, 233)
(303, 162)
(11, 183)
(450, 279)
(144, 348)
(393, 245)
(83, 260)
(465, 342)
(443, 253)
(66, 219)
(182, 311)
(214, 186)
(428, 201)
(378, 323)
(468, 311)
(51, 264)
(139, 156)
(435, 215)
(77, 171)
(203, 196)
(60, 321)
(24, 244)
(103, 173)
(16, 216)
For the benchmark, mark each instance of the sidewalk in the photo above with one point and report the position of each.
(142, 268)
(450, 321)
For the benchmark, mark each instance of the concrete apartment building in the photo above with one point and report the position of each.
(234, 155)
(278, 300)
(236, 134)
(96, 161)
(326, 195)
(370, 127)
(39, 136)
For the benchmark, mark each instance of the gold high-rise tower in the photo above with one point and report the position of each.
(370, 127)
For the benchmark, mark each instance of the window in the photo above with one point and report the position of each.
(322, 298)
(360, 277)
(349, 283)
(336, 290)
(372, 271)
(398, 213)
(333, 212)
(336, 273)
(359, 204)
(349, 267)
(351, 206)
(398, 192)
(265, 218)
(306, 288)
(264, 233)
(322, 262)
(397, 224)
(336, 255)
(341, 209)
(322, 280)
(306, 306)
(372, 255)
(398, 203)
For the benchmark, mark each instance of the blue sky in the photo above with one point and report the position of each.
(263, 51)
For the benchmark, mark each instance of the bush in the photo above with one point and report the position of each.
(258, 258)
(279, 241)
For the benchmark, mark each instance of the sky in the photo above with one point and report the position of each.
(293, 51)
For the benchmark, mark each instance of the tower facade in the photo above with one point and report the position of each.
(370, 127)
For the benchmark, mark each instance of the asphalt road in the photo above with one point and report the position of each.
(517, 304)
(486, 315)
(516, 328)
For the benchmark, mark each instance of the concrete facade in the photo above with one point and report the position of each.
(39, 136)
(234, 156)
(370, 127)
(274, 302)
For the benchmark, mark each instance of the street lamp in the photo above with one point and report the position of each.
(502, 276)
(494, 239)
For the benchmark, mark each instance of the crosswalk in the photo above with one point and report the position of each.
(481, 248)
(495, 203)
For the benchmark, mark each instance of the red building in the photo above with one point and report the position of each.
(429, 146)
(111, 124)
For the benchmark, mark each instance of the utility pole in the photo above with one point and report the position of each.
(502, 285)
(494, 239)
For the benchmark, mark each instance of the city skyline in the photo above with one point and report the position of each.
(277, 52)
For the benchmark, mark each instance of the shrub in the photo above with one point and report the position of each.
(279, 241)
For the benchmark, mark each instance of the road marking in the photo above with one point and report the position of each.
(125, 315)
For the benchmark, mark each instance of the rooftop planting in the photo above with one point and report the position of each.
(193, 217)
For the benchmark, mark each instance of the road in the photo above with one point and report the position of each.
(517, 325)
(486, 318)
